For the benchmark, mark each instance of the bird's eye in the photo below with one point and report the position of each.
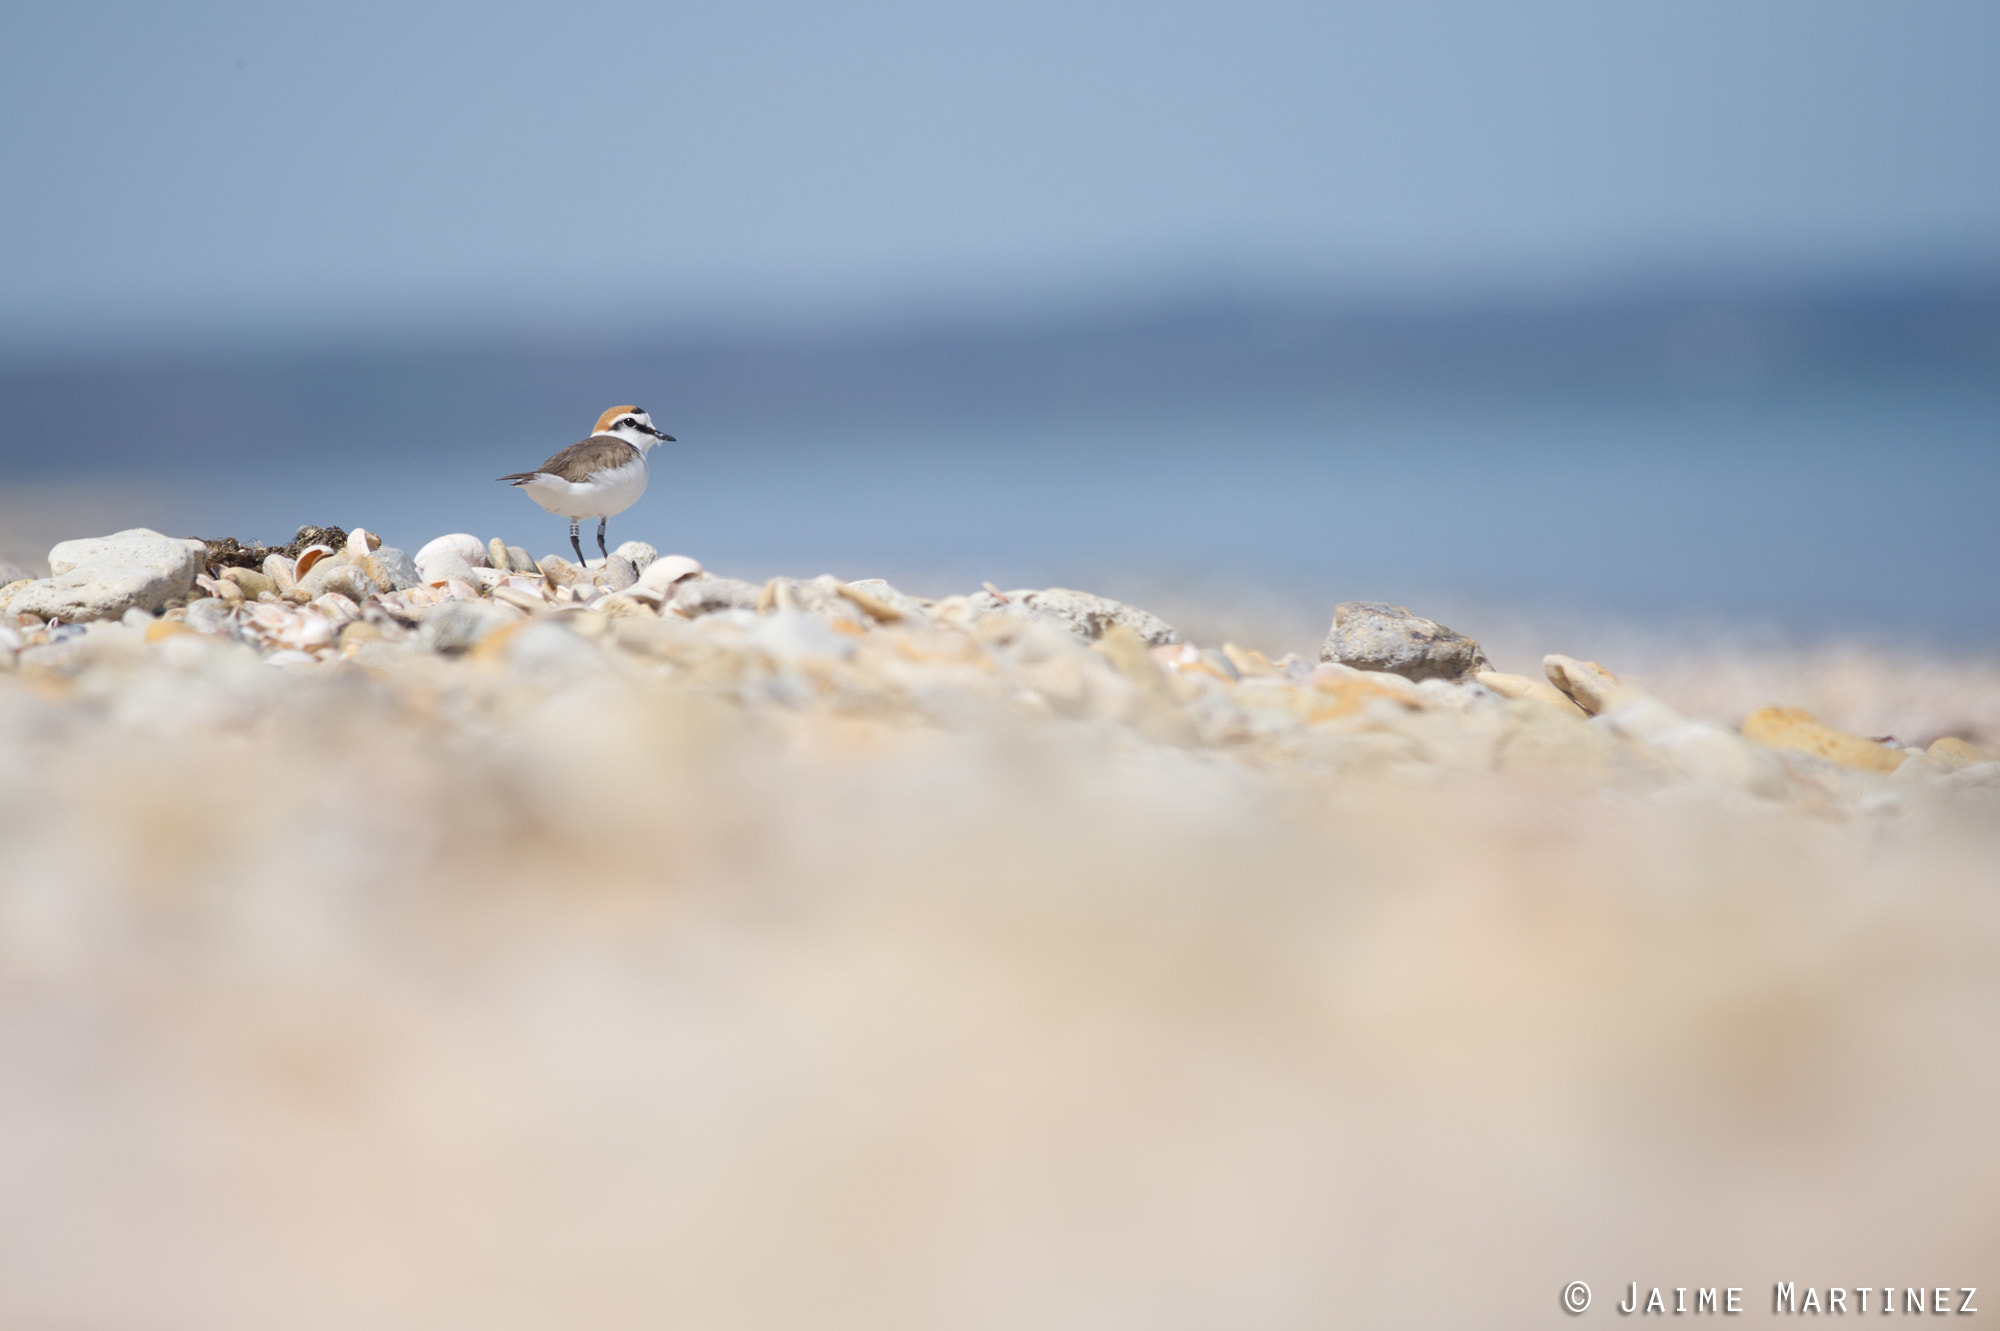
(629, 421)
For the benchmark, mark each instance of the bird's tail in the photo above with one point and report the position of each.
(520, 477)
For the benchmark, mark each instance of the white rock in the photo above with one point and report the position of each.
(469, 549)
(448, 565)
(102, 577)
(402, 569)
(640, 553)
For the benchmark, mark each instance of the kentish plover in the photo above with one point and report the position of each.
(604, 474)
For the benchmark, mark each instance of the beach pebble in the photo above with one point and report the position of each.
(337, 574)
(1083, 614)
(282, 570)
(704, 594)
(1796, 729)
(1586, 683)
(1952, 753)
(617, 573)
(449, 566)
(212, 615)
(639, 554)
(11, 572)
(469, 550)
(399, 568)
(885, 593)
(1374, 635)
(1534, 690)
(253, 583)
(458, 626)
(103, 577)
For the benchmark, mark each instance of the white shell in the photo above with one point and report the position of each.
(309, 556)
(667, 570)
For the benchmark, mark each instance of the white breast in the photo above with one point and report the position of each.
(604, 494)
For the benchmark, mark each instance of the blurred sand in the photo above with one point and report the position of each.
(328, 1005)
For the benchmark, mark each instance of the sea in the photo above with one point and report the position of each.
(1805, 462)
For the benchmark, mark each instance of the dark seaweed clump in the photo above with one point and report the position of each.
(227, 552)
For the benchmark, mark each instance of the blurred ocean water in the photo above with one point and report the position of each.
(1804, 462)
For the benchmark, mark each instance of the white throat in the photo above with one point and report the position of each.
(639, 439)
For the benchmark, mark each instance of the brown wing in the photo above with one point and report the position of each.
(581, 461)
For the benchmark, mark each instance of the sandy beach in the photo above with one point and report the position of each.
(519, 949)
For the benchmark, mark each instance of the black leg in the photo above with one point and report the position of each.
(574, 543)
(600, 538)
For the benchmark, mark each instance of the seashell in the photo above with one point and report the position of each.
(486, 579)
(207, 584)
(360, 542)
(419, 597)
(336, 606)
(453, 589)
(282, 571)
(467, 548)
(309, 556)
(496, 554)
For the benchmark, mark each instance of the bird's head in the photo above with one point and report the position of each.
(633, 425)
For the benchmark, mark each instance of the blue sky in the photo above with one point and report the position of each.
(229, 171)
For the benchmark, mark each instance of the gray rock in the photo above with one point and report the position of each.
(1087, 615)
(402, 569)
(704, 594)
(457, 626)
(104, 576)
(1373, 635)
(617, 573)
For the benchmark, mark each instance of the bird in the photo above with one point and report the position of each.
(598, 476)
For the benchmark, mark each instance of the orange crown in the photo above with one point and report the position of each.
(604, 421)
